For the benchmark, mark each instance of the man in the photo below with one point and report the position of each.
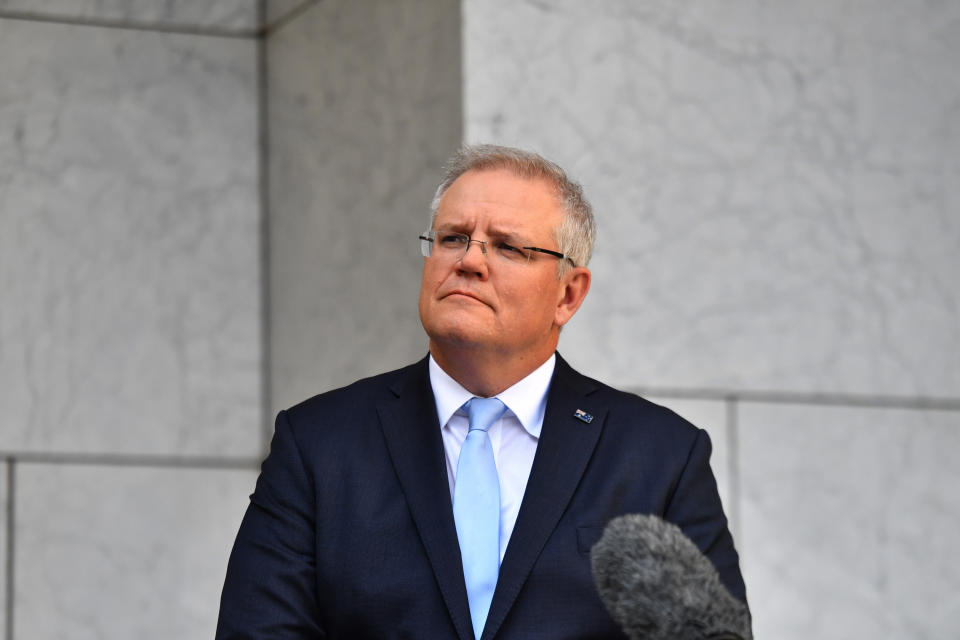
(392, 509)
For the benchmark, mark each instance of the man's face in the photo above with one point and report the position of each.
(482, 301)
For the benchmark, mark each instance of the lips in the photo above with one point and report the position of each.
(461, 292)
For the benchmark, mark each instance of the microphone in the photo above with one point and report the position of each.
(657, 585)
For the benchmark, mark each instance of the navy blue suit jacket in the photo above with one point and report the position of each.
(350, 531)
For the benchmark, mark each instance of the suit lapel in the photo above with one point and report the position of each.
(565, 447)
(412, 432)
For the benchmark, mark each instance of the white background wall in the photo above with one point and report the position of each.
(131, 360)
(186, 208)
(364, 104)
(776, 185)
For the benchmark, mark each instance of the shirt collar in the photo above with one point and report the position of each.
(527, 399)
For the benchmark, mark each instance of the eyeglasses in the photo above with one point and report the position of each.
(454, 246)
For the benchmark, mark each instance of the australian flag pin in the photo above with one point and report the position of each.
(580, 414)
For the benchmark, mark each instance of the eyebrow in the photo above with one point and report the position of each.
(494, 233)
(459, 228)
(506, 235)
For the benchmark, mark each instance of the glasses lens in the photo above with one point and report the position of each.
(511, 253)
(426, 243)
(449, 244)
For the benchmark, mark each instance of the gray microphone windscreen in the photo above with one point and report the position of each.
(657, 585)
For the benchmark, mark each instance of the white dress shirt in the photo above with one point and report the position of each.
(514, 435)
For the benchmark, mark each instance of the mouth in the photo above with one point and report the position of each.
(459, 294)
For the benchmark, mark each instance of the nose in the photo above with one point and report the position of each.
(470, 241)
(475, 262)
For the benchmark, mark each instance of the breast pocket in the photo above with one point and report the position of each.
(587, 536)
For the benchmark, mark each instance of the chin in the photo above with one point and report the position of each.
(462, 321)
(459, 339)
(457, 334)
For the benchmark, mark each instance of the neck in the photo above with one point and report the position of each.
(484, 373)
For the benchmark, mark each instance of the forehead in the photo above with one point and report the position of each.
(500, 198)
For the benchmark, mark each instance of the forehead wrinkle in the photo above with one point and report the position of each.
(494, 230)
(526, 237)
(503, 213)
(500, 231)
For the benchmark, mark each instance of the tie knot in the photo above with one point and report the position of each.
(483, 412)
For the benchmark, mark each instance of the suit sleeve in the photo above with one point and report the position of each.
(695, 507)
(270, 587)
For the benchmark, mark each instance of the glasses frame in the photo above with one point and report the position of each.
(429, 236)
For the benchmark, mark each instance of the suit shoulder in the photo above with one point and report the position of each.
(632, 403)
(630, 408)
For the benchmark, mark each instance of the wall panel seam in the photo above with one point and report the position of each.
(263, 157)
(10, 547)
(285, 19)
(184, 29)
(733, 468)
(131, 460)
(878, 401)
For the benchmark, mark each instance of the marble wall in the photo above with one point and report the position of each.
(5, 471)
(241, 17)
(131, 359)
(849, 521)
(123, 551)
(773, 177)
(363, 110)
(776, 190)
(202, 221)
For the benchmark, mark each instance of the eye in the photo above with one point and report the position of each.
(510, 251)
(451, 239)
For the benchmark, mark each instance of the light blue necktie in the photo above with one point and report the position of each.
(476, 509)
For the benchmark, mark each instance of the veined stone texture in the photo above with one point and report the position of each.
(775, 182)
(123, 552)
(850, 520)
(129, 242)
(364, 108)
(240, 15)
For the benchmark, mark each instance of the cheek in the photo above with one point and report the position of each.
(430, 281)
(525, 303)
(539, 302)
(430, 278)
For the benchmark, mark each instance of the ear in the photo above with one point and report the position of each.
(574, 288)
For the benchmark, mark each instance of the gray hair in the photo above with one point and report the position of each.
(574, 236)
